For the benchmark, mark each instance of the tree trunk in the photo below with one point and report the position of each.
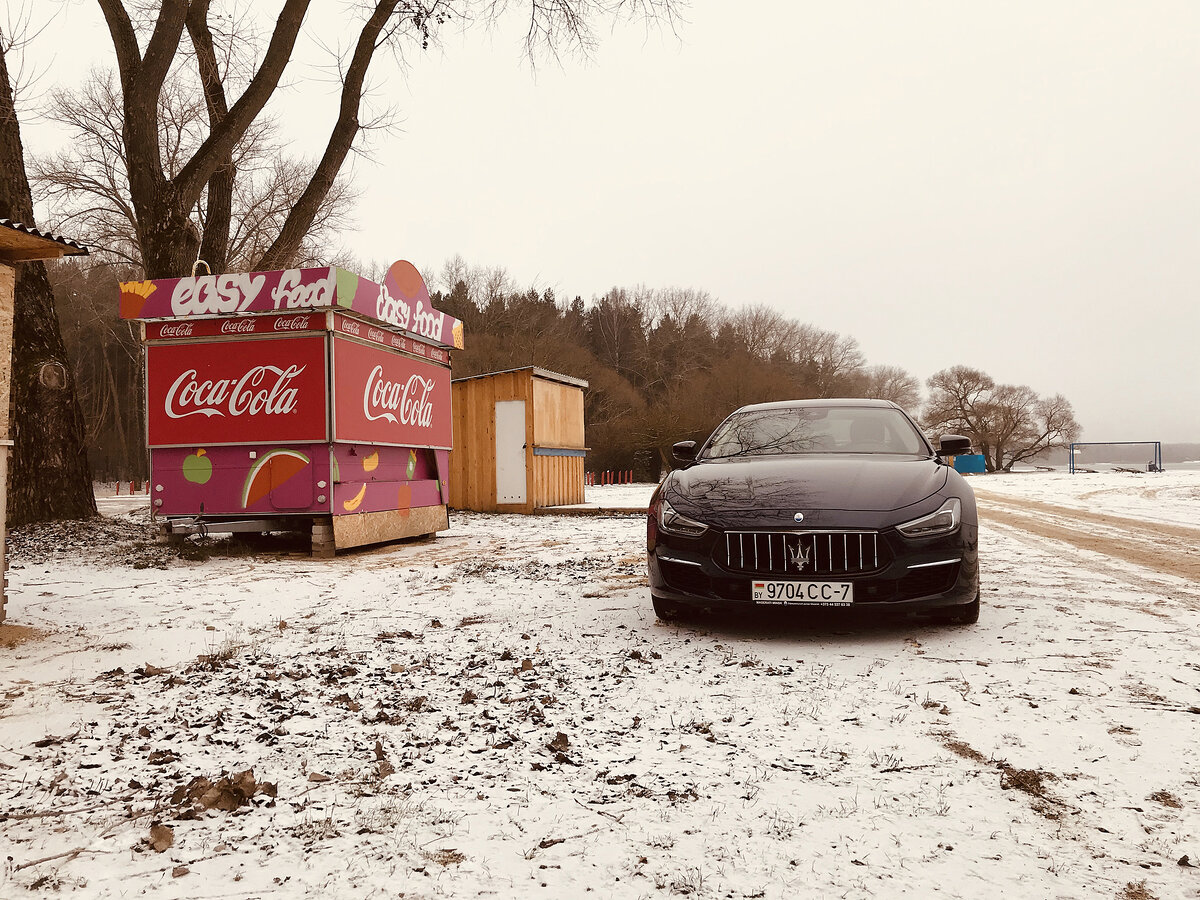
(49, 477)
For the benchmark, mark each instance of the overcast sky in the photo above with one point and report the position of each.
(1014, 187)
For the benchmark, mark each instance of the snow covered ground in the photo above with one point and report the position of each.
(497, 713)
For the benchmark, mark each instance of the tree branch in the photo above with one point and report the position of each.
(345, 130)
(214, 243)
(221, 141)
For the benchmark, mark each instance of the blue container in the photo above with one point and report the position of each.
(970, 464)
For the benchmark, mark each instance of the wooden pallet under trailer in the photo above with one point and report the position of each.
(329, 534)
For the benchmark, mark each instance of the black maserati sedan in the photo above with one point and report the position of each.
(816, 503)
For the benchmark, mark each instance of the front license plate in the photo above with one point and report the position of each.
(804, 593)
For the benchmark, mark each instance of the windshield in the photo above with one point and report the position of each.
(838, 429)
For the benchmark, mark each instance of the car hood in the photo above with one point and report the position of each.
(860, 491)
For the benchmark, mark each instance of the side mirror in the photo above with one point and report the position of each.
(684, 451)
(953, 445)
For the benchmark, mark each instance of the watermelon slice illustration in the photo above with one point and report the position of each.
(269, 472)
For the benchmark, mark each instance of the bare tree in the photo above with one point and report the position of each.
(163, 201)
(87, 182)
(49, 475)
(1007, 423)
(891, 383)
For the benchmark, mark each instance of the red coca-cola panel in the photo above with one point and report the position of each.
(367, 332)
(236, 392)
(292, 323)
(385, 398)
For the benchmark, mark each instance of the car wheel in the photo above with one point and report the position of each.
(665, 610)
(962, 615)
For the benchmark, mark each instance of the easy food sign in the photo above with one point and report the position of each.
(385, 398)
(236, 392)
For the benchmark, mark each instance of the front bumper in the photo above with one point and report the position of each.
(920, 575)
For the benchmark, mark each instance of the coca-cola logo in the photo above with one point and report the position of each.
(237, 326)
(351, 327)
(408, 402)
(263, 390)
(179, 329)
(374, 334)
(291, 323)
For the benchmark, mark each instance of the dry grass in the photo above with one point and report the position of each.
(1166, 798)
(1137, 891)
(1029, 781)
(965, 750)
(446, 857)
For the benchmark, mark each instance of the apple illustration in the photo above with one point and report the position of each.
(197, 468)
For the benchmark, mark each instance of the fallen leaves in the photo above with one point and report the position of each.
(226, 793)
(162, 837)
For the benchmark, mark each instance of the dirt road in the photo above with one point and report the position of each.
(1167, 549)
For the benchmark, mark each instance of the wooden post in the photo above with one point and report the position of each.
(8, 281)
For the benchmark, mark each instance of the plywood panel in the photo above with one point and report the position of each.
(558, 414)
(376, 527)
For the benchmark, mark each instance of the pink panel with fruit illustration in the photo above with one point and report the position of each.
(379, 479)
(239, 480)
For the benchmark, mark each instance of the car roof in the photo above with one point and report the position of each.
(823, 402)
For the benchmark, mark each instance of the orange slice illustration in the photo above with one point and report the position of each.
(270, 472)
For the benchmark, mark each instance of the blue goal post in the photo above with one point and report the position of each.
(1154, 466)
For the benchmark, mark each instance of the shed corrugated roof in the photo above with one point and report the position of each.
(537, 373)
(19, 242)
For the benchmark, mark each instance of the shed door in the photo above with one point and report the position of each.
(510, 451)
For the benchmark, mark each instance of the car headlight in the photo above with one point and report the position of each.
(673, 523)
(944, 521)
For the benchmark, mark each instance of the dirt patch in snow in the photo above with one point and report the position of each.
(14, 635)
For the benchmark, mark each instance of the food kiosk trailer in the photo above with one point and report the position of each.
(298, 399)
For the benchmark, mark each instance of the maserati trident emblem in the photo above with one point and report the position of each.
(799, 557)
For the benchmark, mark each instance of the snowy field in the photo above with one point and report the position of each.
(497, 713)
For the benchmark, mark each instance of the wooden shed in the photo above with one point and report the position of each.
(18, 243)
(518, 441)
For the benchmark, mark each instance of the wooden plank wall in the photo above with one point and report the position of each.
(557, 423)
(473, 459)
(558, 480)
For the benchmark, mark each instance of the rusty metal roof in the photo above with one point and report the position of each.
(24, 242)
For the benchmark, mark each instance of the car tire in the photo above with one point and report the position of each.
(962, 615)
(665, 610)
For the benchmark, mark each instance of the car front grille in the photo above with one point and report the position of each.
(796, 554)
